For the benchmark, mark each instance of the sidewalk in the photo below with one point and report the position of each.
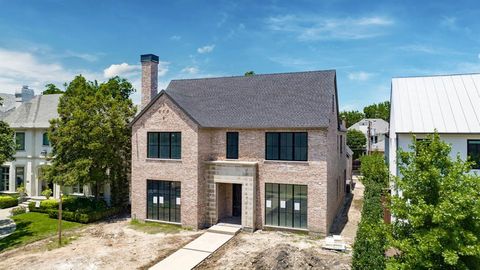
(199, 249)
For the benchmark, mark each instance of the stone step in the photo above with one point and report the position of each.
(7, 229)
(224, 229)
(5, 221)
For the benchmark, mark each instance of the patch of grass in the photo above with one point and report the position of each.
(66, 239)
(154, 227)
(32, 227)
(358, 204)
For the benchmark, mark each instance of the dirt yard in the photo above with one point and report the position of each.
(111, 245)
(282, 250)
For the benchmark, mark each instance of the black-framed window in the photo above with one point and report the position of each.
(473, 152)
(19, 176)
(167, 145)
(163, 200)
(232, 145)
(4, 178)
(291, 146)
(286, 205)
(45, 140)
(20, 140)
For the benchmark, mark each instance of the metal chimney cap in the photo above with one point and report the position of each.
(149, 58)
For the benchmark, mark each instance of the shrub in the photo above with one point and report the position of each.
(70, 203)
(86, 217)
(47, 193)
(370, 242)
(18, 210)
(8, 201)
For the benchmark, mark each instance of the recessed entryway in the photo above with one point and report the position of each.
(229, 203)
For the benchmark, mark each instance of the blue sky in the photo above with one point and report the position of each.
(367, 42)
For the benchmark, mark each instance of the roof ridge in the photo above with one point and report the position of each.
(436, 75)
(258, 75)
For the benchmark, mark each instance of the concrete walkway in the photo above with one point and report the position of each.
(199, 249)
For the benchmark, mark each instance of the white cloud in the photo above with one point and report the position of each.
(175, 37)
(128, 71)
(123, 70)
(308, 28)
(478, 56)
(190, 70)
(359, 76)
(206, 49)
(25, 68)
(84, 56)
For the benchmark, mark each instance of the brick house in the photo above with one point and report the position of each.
(260, 151)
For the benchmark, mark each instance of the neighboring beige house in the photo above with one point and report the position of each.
(260, 151)
(29, 116)
(376, 132)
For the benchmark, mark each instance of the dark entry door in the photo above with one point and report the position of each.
(237, 200)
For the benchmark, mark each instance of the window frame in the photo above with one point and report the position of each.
(5, 178)
(45, 137)
(476, 166)
(20, 146)
(286, 217)
(278, 144)
(174, 146)
(168, 211)
(229, 145)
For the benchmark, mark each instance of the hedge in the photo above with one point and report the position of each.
(85, 217)
(8, 201)
(70, 203)
(370, 242)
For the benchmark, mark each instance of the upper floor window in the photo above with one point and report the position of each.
(166, 145)
(232, 145)
(45, 140)
(291, 146)
(473, 152)
(20, 140)
(341, 144)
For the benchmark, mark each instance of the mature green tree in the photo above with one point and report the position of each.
(438, 210)
(7, 142)
(380, 110)
(91, 137)
(51, 89)
(351, 117)
(250, 73)
(357, 141)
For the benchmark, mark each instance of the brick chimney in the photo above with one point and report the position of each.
(149, 77)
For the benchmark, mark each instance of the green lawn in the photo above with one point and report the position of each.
(32, 227)
(154, 227)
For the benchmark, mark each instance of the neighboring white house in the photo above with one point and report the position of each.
(449, 104)
(29, 116)
(375, 130)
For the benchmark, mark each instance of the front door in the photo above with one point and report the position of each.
(237, 200)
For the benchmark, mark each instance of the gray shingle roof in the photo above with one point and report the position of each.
(35, 113)
(8, 104)
(284, 100)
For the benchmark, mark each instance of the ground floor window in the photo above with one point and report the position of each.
(19, 176)
(163, 200)
(286, 205)
(4, 178)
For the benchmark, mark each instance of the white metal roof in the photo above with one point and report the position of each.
(450, 104)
